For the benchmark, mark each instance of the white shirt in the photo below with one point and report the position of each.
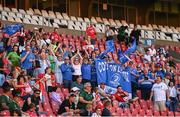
(45, 42)
(57, 65)
(77, 69)
(172, 92)
(152, 51)
(48, 80)
(159, 91)
(147, 57)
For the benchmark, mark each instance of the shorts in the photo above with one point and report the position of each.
(160, 105)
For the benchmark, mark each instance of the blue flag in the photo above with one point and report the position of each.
(12, 29)
(122, 58)
(101, 66)
(113, 75)
(132, 48)
(109, 48)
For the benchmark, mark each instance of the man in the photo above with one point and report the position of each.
(33, 99)
(85, 96)
(55, 36)
(67, 71)
(121, 96)
(27, 59)
(102, 90)
(45, 40)
(6, 102)
(88, 111)
(78, 83)
(146, 81)
(90, 31)
(159, 92)
(68, 105)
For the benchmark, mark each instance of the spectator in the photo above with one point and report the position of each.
(27, 59)
(58, 62)
(152, 50)
(68, 105)
(55, 96)
(97, 113)
(32, 99)
(88, 110)
(14, 57)
(106, 111)
(85, 96)
(90, 31)
(102, 90)
(147, 56)
(67, 71)
(146, 81)
(55, 36)
(49, 79)
(86, 71)
(31, 111)
(45, 40)
(76, 61)
(173, 97)
(159, 71)
(159, 92)
(122, 97)
(6, 100)
(78, 83)
(2, 69)
(76, 91)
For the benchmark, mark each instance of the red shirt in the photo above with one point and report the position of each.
(55, 36)
(119, 96)
(90, 31)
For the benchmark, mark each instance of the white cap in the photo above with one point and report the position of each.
(75, 89)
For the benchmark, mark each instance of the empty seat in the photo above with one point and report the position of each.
(112, 23)
(55, 25)
(87, 20)
(28, 16)
(80, 19)
(35, 17)
(37, 12)
(118, 23)
(18, 20)
(11, 19)
(44, 13)
(14, 10)
(19, 15)
(4, 13)
(51, 14)
(22, 11)
(29, 12)
(11, 14)
(65, 16)
(58, 15)
(33, 22)
(26, 20)
(99, 20)
(57, 21)
(6, 9)
(73, 18)
(93, 20)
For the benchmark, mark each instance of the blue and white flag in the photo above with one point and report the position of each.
(12, 29)
(113, 75)
(132, 48)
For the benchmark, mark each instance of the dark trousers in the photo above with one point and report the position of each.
(173, 104)
(67, 84)
(134, 89)
(145, 93)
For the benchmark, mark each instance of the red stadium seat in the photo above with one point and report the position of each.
(170, 113)
(149, 112)
(141, 112)
(134, 112)
(177, 114)
(5, 113)
(156, 113)
(65, 92)
(164, 113)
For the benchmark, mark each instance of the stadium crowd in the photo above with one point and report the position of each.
(40, 71)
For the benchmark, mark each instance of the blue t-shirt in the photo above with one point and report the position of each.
(146, 84)
(27, 63)
(160, 73)
(67, 71)
(86, 71)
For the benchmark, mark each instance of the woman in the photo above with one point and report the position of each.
(14, 57)
(76, 61)
(58, 62)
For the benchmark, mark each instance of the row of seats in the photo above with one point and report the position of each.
(56, 19)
